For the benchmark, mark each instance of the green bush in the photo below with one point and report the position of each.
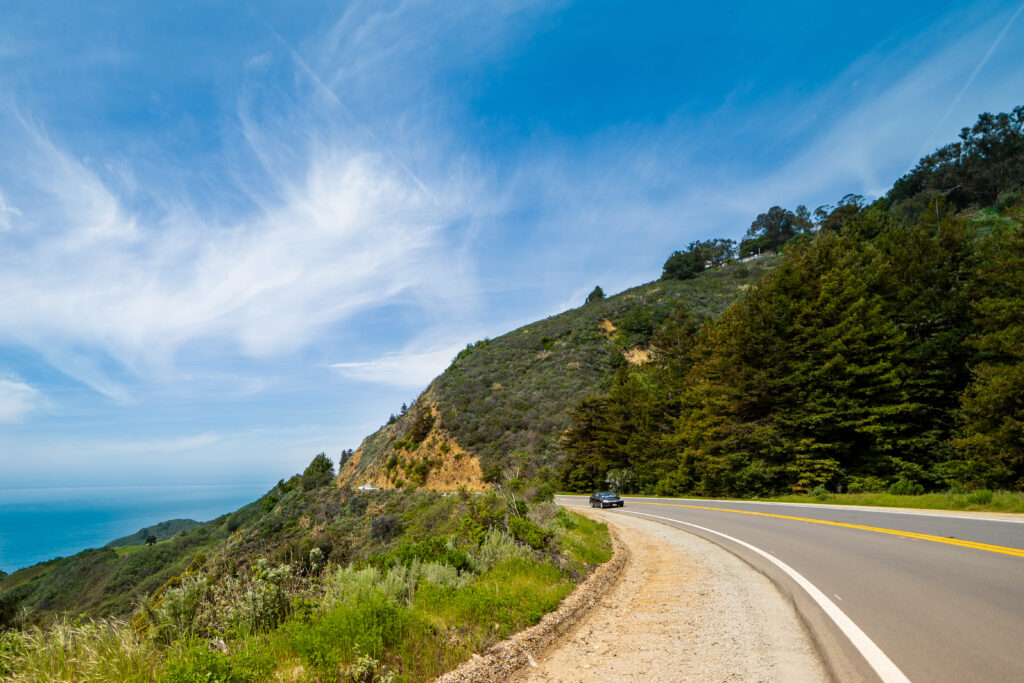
(385, 527)
(436, 549)
(906, 487)
(372, 627)
(980, 497)
(525, 531)
(196, 663)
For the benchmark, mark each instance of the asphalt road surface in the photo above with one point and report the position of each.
(887, 595)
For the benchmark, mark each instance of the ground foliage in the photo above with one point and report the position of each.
(323, 584)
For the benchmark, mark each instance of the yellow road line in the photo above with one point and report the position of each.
(1016, 552)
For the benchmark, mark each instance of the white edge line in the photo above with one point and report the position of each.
(878, 660)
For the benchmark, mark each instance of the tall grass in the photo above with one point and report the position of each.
(981, 500)
(583, 540)
(69, 650)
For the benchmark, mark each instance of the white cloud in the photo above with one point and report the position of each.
(17, 400)
(409, 368)
(7, 214)
(92, 282)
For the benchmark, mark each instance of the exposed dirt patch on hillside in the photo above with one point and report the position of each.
(637, 355)
(437, 463)
(606, 326)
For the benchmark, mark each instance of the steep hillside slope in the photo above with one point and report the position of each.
(503, 403)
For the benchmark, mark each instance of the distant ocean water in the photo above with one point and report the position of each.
(43, 523)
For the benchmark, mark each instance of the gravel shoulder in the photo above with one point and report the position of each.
(683, 610)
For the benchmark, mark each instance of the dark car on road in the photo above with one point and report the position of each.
(605, 499)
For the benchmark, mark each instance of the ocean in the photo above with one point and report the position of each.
(43, 523)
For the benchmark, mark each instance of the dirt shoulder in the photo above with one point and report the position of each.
(682, 610)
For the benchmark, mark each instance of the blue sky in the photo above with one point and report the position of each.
(235, 235)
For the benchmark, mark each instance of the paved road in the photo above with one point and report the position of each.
(938, 597)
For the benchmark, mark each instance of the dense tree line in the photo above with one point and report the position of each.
(885, 351)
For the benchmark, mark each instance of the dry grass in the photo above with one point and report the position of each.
(70, 650)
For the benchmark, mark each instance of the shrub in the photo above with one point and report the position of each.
(175, 614)
(338, 636)
(368, 670)
(436, 549)
(525, 531)
(385, 527)
(821, 493)
(865, 485)
(980, 497)
(400, 583)
(906, 487)
(496, 547)
(197, 664)
(260, 603)
(9, 603)
(421, 425)
(349, 584)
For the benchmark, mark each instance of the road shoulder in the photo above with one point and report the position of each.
(684, 609)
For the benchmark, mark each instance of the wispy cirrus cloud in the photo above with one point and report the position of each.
(18, 400)
(410, 368)
(90, 281)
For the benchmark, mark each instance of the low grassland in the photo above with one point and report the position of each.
(981, 500)
(449, 576)
(124, 550)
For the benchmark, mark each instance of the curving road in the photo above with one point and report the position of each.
(890, 595)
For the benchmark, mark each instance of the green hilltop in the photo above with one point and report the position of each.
(506, 401)
(161, 532)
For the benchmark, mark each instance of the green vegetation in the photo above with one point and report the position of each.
(506, 400)
(980, 500)
(123, 550)
(161, 531)
(884, 353)
(382, 586)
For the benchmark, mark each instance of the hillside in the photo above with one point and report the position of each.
(308, 583)
(503, 403)
(162, 531)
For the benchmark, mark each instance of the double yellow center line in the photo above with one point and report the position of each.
(988, 547)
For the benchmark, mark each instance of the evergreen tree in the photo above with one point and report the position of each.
(991, 448)
(319, 473)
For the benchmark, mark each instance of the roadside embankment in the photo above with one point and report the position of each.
(520, 651)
